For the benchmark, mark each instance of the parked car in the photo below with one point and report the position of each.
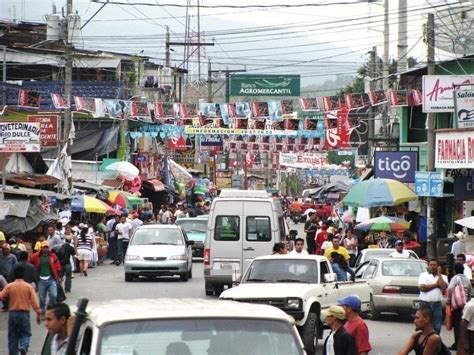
(371, 253)
(195, 229)
(301, 286)
(183, 326)
(159, 250)
(393, 284)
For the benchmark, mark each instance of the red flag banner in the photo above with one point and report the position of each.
(377, 97)
(309, 104)
(58, 101)
(177, 143)
(355, 101)
(415, 98)
(84, 104)
(398, 98)
(331, 103)
(259, 109)
(337, 129)
(139, 109)
(29, 98)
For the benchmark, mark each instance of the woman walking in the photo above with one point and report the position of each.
(83, 246)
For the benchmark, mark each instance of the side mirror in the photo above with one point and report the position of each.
(190, 242)
(330, 277)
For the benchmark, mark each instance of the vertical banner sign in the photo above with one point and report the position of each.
(464, 108)
(19, 137)
(438, 91)
(49, 129)
(264, 85)
(428, 184)
(337, 137)
(399, 166)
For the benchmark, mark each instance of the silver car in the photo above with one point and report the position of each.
(393, 284)
(159, 250)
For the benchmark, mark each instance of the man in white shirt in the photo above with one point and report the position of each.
(299, 248)
(459, 246)
(399, 251)
(432, 284)
(124, 230)
(461, 259)
(136, 222)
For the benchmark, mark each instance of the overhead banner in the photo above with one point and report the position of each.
(399, 166)
(264, 85)
(454, 149)
(19, 137)
(237, 131)
(428, 184)
(438, 91)
(49, 128)
(303, 160)
(464, 108)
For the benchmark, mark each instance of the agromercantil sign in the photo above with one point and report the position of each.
(264, 85)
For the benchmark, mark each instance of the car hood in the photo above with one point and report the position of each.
(267, 290)
(155, 250)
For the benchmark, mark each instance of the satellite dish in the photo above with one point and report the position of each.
(454, 27)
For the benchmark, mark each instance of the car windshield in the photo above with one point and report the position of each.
(282, 270)
(195, 229)
(403, 268)
(199, 337)
(152, 236)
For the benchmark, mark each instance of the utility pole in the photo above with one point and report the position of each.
(372, 85)
(68, 84)
(4, 102)
(430, 127)
(209, 80)
(386, 46)
(402, 36)
(167, 56)
(199, 40)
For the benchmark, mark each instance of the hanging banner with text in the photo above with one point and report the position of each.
(303, 160)
(49, 129)
(438, 91)
(454, 149)
(264, 85)
(464, 108)
(19, 137)
(237, 131)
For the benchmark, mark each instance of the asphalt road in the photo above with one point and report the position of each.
(107, 282)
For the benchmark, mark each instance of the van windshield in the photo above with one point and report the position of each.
(282, 270)
(199, 337)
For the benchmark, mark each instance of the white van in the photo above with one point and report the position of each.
(242, 225)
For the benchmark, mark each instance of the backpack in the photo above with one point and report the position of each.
(443, 350)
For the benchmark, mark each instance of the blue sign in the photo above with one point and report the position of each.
(399, 166)
(463, 188)
(53, 200)
(211, 141)
(428, 184)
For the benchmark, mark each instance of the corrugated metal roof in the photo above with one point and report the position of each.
(18, 206)
(13, 190)
(32, 180)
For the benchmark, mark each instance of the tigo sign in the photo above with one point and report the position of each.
(264, 85)
(399, 166)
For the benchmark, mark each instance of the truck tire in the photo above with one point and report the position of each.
(128, 277)
(309, 333)
(209, 289)
(184, 276)
(374, 314)
(190, 273)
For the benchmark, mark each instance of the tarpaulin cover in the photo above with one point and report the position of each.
(35, 217)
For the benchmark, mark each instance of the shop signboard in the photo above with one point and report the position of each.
(211, 141)
(20, 137)
(303, 160)
(264, 85)
(438, 91)
(49, 128)
(399, 166)
(223, 180)
(428, 184)
(464, 188)
(454, 149)
(237, 131)
(464, 108)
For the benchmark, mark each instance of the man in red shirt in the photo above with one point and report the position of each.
(355, 325)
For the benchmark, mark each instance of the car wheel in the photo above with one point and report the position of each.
(129, 277)
(190, 273)
(184, 276)
(309, 333)
(374, 314)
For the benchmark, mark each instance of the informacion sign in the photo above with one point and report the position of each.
(49, 128)
(264, 85)
(438, 91)
(428, 184)
(19, 137)
(464, 108)
(237, 131)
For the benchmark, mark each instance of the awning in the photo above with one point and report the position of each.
(14, 190)
(18, 207)
(155, 184)
(112, 183)
(32, 180)
(35, 217)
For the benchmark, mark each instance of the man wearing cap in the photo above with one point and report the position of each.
(48, 266)
(339, 341)
(459, 246)
(399, 251)
(432, 284)
(355, 325)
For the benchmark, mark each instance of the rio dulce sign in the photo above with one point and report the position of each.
(264, 85)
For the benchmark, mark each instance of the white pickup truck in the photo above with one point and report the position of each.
(302, 286)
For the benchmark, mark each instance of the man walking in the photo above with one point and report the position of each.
(432, 284)
(47, 264)
(56, 321)
(22, 298)
(54, 238)
(424, 340)
(310, 228)
(7, 261)
(124, 230)
(339, 341)
(355, 325)
(31, 274)
(112, 238)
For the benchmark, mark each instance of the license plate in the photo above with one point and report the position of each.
(416, 304)
(226, 266)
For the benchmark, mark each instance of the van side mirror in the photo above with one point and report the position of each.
(329, 277)
(190, 242)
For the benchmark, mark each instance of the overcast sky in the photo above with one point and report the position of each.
(316, 42)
